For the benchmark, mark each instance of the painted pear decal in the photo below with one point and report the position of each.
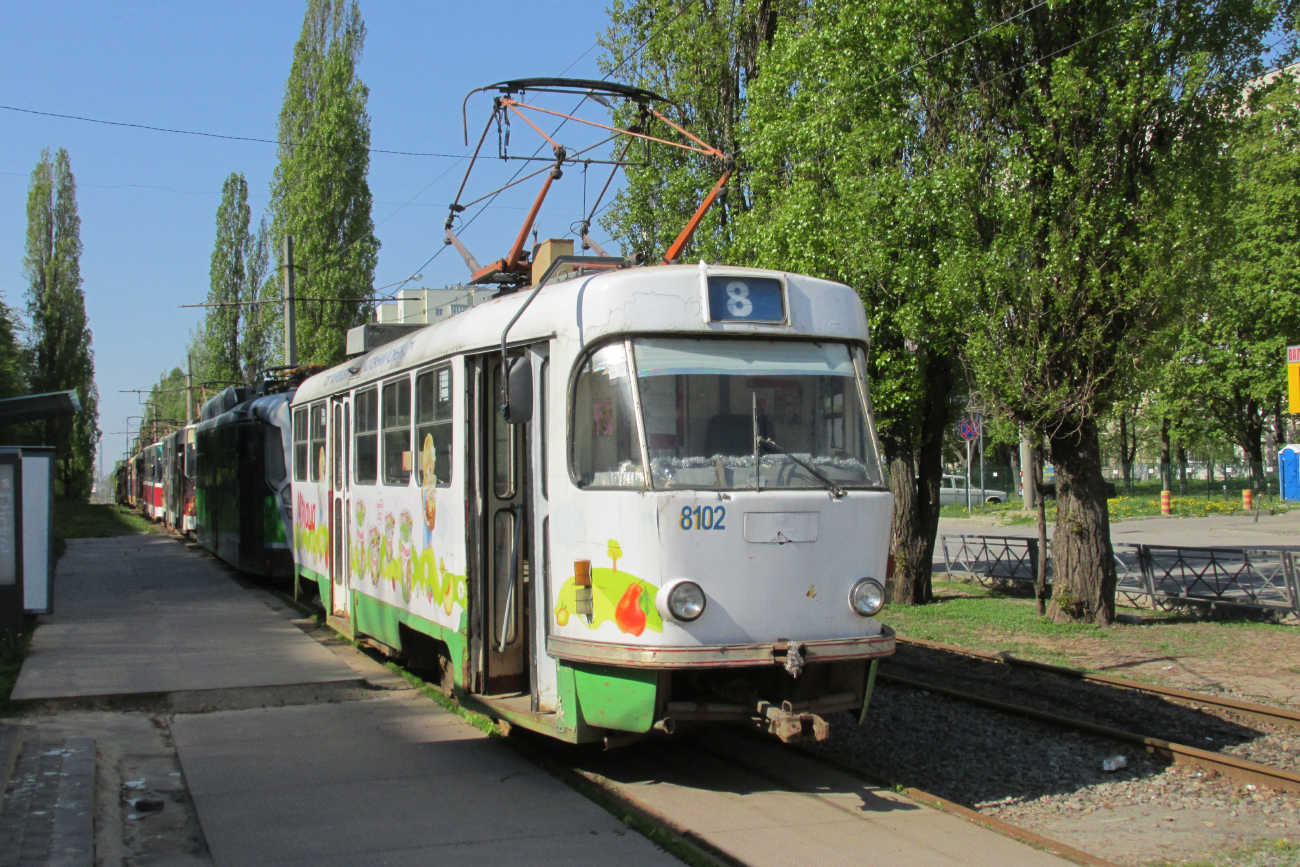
(630, 614)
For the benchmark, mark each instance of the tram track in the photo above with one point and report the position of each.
(1236, 768)
(724, 766)
(1282, 717)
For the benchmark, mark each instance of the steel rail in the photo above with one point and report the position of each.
(1241, 770)
(973, 816)
(581, 778)
(1263, 713)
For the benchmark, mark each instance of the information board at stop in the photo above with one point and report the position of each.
(1293, 378)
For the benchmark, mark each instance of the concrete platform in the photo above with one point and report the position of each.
(144, 614)
(392, 781)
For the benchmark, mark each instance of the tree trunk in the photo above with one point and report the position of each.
(1125, 467)
(1034, 482)
(1182, 469)
(1013, 457)
(1166, 468)
(915, 476)
(1083, 584)
(909, 585)
(1251, 440)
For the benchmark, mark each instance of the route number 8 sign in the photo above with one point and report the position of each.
(745, 299)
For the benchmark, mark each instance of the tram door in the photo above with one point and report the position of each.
(503, 581)
(340, 507)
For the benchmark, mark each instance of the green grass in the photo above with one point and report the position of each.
(12, 653)
(1142, 505)
(1265, 853)
(75, 520)
(971, 615)
(974, 616)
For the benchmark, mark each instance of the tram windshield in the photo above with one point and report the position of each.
(702, 402)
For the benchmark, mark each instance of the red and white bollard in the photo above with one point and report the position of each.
(1247, 499)
(1165, 507)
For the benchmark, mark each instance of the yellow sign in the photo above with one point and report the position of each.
(1293, 378)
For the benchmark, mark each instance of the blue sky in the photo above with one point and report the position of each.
(148, 200)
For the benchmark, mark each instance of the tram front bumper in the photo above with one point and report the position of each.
(723, 655)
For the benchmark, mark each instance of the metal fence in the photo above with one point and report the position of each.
(1150, 576)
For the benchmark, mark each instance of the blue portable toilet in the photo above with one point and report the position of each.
(1288, 464)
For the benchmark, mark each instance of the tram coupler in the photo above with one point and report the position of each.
(789, 725)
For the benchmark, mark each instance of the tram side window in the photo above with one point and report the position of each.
(274, 449)
(605, 452)
(366, 422)
(300, 445)
(433, 426)
(316, 463)
(397, 431)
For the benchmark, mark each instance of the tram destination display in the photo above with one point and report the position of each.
(745, 299)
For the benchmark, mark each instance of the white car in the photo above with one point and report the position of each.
(953, 490)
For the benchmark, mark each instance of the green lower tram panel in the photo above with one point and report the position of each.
(592, 697)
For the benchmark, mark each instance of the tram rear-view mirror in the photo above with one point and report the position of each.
(518, 408)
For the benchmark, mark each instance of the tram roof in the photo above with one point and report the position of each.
(590, 308)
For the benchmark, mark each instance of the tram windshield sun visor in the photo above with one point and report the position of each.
(700, 401)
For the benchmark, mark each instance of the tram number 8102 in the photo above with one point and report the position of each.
(703, 517)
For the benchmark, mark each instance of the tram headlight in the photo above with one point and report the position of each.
(682, 600)
(866, 597)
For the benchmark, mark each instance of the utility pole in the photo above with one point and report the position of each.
(290, 330)
(189, 389)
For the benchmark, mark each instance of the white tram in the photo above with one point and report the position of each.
(683, 520)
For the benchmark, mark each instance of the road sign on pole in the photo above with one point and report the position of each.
(1293, 378)
(968, 428)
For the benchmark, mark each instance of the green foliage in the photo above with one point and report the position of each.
(863, 183)
(238, 339)
(165, 407)
(59, 354)
(1111, 161)
(704, 57)
(320, 194)
(1229, 369)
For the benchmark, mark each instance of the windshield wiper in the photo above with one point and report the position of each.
(836, 490)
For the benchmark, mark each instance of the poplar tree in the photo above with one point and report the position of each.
(233, 343)
(1111, 118)
(59, 351)
(319, 193)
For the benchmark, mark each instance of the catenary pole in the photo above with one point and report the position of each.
(189, 389)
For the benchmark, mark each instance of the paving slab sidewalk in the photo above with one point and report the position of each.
(375, 774)
(144, 614)
(1219, 531)
(392, 781)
